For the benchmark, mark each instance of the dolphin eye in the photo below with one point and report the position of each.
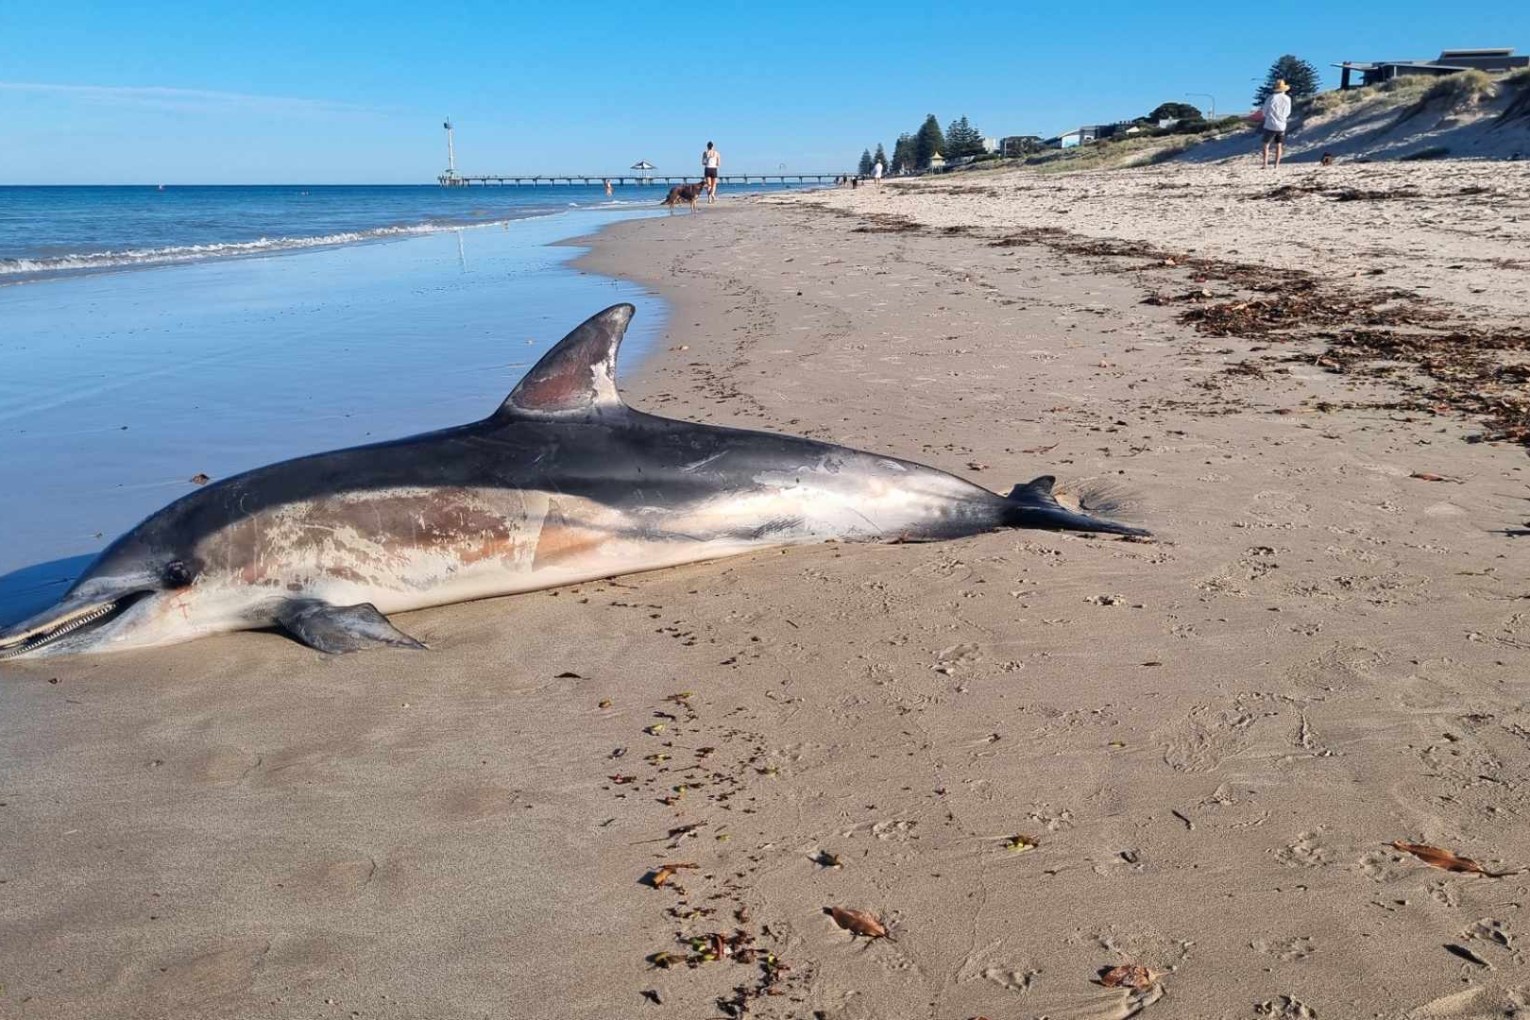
(178, 574)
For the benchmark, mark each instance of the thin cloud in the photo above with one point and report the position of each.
(183, 100)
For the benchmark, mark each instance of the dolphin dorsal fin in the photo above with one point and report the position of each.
(577, 378)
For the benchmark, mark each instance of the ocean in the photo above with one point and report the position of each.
(148, 337)
(46, 231)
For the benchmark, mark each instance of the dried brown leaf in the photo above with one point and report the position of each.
(664, 872)
(859, 922)
(1128, 975)
(1445, 860)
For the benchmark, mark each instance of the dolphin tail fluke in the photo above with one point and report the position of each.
(1033, 505)
(338, 629)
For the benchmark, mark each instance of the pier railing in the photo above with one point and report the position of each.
(466, 180)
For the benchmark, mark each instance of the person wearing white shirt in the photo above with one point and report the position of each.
(1277, 111)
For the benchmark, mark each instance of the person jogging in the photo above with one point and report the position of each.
(711, 161)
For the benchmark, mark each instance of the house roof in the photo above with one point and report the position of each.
(1443, 60)
(1373, 65)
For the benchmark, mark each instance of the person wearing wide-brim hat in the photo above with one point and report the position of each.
(1277, 111)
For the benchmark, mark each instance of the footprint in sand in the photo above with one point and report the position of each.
(337, 878)
(1288, 949)
(1206, 737)
(1384, 865)
(948, 660)
(209, 974)
(1285, 1007)
(1304, 852)
(474, 803)
(219, 766)
(1340, 667)
(1011, 979)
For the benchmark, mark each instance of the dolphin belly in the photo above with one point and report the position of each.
(397, 548)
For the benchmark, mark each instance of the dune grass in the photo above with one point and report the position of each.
(1131, 150)
(1461, 87)
(1408, 84)
(1337, 99)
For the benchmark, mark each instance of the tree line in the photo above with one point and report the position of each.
(912, 153)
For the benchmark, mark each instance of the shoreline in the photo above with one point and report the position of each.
(264, 247)
(1207, 742)
(350, 226)
(143, 380)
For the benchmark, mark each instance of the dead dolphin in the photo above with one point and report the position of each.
(563, 483)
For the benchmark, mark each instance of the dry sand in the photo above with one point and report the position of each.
(1211, 738)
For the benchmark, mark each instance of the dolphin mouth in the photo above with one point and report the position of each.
(54, 625)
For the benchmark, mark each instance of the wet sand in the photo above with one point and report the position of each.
(1206, 742)
(116, 388)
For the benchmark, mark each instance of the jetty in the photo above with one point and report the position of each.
(644, 176)
(454, 180)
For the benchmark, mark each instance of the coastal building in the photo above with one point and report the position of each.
(1015, 146)
(937, 163)
(1093, 132)
(990, 145)
(1448, 62)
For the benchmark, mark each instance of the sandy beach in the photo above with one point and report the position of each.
(1033, 756)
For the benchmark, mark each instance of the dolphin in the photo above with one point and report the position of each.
(563, 483)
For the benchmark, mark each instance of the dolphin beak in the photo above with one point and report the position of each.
(76, 613)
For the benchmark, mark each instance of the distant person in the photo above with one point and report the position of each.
(855, 182)
(711, 161)
(1277, 111)
(876, 172)
(608, 187)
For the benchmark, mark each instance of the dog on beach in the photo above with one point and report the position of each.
(687, 193)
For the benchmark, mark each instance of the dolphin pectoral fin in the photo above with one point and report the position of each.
(339, 629)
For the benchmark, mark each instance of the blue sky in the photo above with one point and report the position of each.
(133, 91)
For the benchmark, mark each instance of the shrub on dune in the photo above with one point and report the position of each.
(1461, 87)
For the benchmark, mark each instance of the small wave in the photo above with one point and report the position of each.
(198, 252)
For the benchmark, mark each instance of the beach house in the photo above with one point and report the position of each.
(1448, 62)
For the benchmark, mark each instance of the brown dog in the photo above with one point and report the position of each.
(687, 193)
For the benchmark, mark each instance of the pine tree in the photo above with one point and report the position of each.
(962, 139)
(881, 157)
(865, 168)
(903, 154)
(928, 142)
(1300, 75)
